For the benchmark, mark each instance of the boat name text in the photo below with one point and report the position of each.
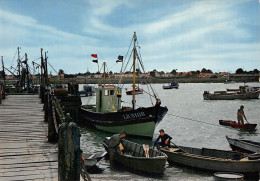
(134, 115)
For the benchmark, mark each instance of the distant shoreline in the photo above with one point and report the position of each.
(141, 80)
(151, 80)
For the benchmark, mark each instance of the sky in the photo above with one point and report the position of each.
(221, 35)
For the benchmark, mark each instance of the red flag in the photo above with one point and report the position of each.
(94, 55)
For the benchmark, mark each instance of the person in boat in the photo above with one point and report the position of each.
(241, 115)
(115, 142)
(165, 140)
(156, 109)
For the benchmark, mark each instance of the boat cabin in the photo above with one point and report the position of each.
(108, 98)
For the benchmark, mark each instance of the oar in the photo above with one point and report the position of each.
(246, 119)
(179, 147)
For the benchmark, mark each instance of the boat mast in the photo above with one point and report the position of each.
(2, 58)
(134, 57)
(27, 71)
(104, 73)
(19, 62)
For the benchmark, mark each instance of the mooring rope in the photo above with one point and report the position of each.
(221, 126)
(193, 120)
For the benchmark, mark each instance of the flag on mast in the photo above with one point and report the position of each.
(94, 55)
(120, 58)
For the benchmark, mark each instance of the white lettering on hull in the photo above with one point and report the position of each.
(134, 115)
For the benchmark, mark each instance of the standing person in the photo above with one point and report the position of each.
(165, 139)
(114, 144)
(240, 115)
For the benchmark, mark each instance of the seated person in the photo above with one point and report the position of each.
(165, 140)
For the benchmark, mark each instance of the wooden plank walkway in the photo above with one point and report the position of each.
(25, 153)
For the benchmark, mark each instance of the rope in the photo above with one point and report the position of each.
(194, 120)
(222, 126)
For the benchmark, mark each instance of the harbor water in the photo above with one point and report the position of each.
(191, 121)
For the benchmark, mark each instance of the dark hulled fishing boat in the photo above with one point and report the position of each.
(108, 114)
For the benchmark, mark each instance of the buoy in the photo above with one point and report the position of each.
(228, 176)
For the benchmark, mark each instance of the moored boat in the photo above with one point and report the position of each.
(212, 159)
(137, 91)
(92, 159)
(108, 114)
(172, 85)
(245, 92)
(245, 146)
(135, 159)
(234, 124)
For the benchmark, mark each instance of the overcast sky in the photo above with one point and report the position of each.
(221, 35)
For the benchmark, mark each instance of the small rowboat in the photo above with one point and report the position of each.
(92, 159)
(138, 158)
(234, 124)
(245, 146)
(212, 159)
(137, 91)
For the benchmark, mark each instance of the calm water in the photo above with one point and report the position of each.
(186, 106)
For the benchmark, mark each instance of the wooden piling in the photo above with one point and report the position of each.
(2, 92)
(69, 151)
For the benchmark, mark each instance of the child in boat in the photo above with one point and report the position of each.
(240, 115)
(165, 140)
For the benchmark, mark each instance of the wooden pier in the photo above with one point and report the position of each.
(25, 153)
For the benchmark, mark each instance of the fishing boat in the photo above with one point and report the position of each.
(138, 158)
(92, 159)
(229, 81)
(212, 159)
(87, 91)
(109, 115)
(234, 124)
(245, 146)
(172, 85)
(245, 92)
(137, 91)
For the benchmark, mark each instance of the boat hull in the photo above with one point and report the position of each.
(170, 87)
(138, 162)
(138, 122)
(230, 96)
(244, 146)
(212, 163)
(136, 92)
(248, 127)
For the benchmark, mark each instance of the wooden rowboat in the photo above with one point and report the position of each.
(212, 159)
(245, 146)
(249, 127)
(92, 159)
(135, 158)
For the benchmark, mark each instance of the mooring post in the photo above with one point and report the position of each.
(46, 103)
(1, 94)
(69, 151)
(52, 134)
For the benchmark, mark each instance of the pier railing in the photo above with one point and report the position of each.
(63, 129)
